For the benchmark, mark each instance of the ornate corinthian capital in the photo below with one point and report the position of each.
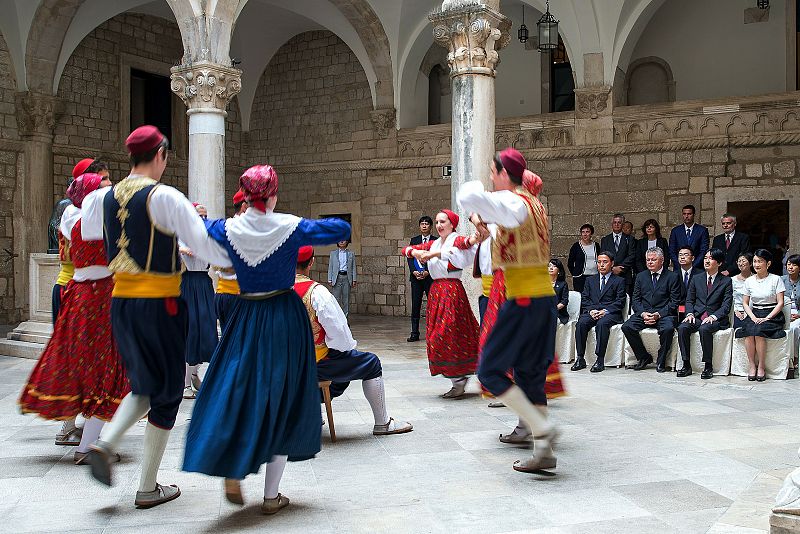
(473, 32)
(206, 85)
(37, 114)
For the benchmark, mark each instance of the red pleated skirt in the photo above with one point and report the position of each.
(80, 370)
(554, 387)
(452, 331)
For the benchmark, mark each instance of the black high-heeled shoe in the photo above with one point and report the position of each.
(751, 378)
(761, 378)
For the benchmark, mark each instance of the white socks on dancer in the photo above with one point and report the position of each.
(91, 431)
(272, 479)
(373, 391)
(190, 370)
(155, 441)
(460, 381)
(131, 409)
(516, 399)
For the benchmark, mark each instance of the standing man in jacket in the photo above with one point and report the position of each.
(732, 243)
(342, 274)
(419, 276)
(623, 246)
(690, 234)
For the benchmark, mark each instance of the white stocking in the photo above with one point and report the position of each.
(155, 441)
(131, 409)
(458, 381)
(91, 431)
(272, 479)
(373, 391)
(190, 370)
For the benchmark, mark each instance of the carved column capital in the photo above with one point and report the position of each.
(37, 114)
(383, 120)
(205, 85)
(473, 33)
(593, 102)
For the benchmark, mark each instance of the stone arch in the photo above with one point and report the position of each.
(45, 40)
(649, 80)
(634, 18)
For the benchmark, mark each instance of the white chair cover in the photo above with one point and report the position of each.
(565, 333)
(616, 344)
(778, 352)
(720, 358)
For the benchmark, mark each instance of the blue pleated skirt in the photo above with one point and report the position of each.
(260, 396)
(198, 294)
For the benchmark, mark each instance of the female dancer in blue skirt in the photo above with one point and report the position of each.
(260, 398)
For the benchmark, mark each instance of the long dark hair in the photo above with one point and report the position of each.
(561, 277)
(647, 223)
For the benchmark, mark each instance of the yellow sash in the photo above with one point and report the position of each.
(528, 282)
(321, 351)
(146, 285)
(227, 287)
(486, 283)
(66, 273)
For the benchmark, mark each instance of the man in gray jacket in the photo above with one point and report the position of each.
(342, 274)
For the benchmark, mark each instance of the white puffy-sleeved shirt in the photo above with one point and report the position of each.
(485, 251)
(504, 208)
(192, 263)
(169, 209)
(460, 259)
(331, 317)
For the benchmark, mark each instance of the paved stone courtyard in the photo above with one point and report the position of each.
(640, 452)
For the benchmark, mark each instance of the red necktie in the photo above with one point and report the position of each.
(709, 285)
(727, 241)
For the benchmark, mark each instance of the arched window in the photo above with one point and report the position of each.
(649, 81)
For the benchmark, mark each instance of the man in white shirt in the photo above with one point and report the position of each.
(337, 357)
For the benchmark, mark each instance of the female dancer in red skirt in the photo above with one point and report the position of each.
(451, 331)
(80, 371)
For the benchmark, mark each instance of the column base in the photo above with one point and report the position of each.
(784, 523)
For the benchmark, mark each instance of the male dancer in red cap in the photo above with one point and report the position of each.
(141, 221)
(523, 338)
(337, 357)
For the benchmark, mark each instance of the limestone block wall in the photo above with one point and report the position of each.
(8, 86)
(313, 104)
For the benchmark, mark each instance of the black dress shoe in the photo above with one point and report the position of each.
(598, 367)
(579, 364)
(660, 368)
(686, 371)
(706, 374)
(413, 337)
(643, 363)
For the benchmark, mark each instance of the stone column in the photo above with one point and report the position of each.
(206, 88)
(594, 104)
(36, 118)
(472, 31)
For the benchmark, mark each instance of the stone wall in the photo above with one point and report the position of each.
(312, 104)
(8, 86)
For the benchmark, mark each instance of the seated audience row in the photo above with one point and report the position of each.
(689, 300)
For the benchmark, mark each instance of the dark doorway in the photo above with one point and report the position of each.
(562, 84)
(767, 224)
(151, 101)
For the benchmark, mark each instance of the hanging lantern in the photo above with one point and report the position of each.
(522, 33)
(547, 28)
(762, 4)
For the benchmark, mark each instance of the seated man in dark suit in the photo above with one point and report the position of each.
(707, 307)
(732, 243)
(655, 305)
(601, 307)
(686, 271)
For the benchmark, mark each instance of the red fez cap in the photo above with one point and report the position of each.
(143, 139)
(513, 161)
(238, 197)
(305, 253)
(81, 167)
(453, 218)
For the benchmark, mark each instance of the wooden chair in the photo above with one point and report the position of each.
(325, 387)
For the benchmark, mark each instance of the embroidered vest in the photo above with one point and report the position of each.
(523, 252)
(67, 268)
(143, 258)
(303, 286)
(86, 253)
